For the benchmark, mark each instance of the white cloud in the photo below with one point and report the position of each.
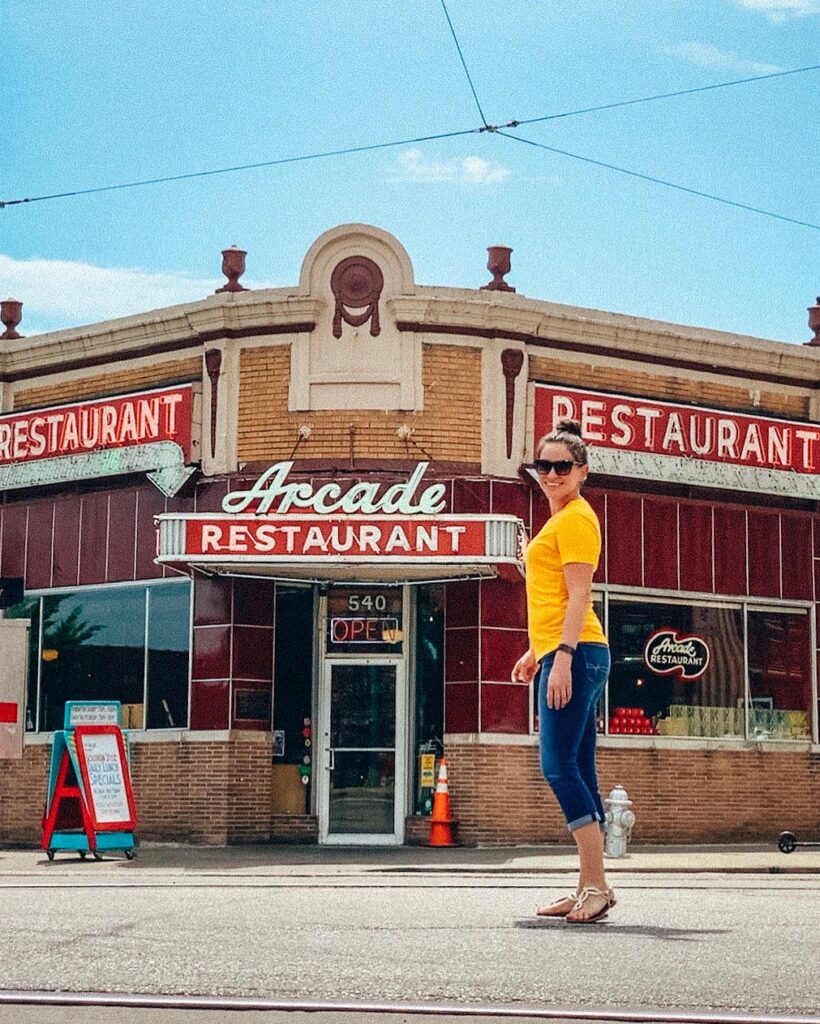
(60, 293)
(781, 10)
(707, 56)
(470, 170)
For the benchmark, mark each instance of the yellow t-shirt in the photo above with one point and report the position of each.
(571, 535)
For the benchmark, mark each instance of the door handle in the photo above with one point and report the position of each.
(331, 759)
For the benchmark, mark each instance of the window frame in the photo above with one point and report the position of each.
(146, 586)
(639, 595)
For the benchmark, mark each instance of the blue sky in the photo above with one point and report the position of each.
(101, 93)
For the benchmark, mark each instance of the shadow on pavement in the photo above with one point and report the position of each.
(652, 931)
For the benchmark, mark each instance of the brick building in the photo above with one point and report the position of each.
(281, 527)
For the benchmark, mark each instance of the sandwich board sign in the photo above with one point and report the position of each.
(90, 802)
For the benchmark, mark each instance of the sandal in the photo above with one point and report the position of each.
(608, 896)
(558, 908)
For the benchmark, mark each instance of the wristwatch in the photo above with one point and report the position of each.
(566, 649)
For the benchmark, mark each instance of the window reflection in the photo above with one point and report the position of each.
(116, 643)
(779, 676)
(169, 614)
(647, 702)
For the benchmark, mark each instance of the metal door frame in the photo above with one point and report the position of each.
(322, 754)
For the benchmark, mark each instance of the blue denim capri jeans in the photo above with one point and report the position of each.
(568, 735)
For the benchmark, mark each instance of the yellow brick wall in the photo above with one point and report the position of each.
(448, 428)
(119, 382)
(671, 388)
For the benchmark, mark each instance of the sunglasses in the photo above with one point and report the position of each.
(562, 467)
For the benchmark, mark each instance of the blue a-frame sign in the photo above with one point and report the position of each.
(89, 802)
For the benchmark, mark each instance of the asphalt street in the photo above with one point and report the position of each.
(390, 933)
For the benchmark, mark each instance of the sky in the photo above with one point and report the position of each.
(95, 94)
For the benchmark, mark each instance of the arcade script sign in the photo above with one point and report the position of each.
(687, 444)
(668, 653)
(146, 432)
(277, 519)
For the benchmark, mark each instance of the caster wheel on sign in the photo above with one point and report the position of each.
(83, 854)
(97, 856)
(50, 854)
(787, 842)
(130, 854)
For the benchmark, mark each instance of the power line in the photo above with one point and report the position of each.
(463, 62)
(661, 181)
(243, 167)
(485, 128)
(661, 96)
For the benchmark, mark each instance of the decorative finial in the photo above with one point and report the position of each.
(11, 313)
(233, 267)
(814, 322)
(498, 263)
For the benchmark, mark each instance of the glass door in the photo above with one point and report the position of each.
(362, 784)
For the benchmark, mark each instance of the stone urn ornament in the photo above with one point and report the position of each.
(814, 322)
(233, 267)
(498, 264)
(11, 313)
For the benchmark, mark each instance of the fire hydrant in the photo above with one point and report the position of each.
(619, 819)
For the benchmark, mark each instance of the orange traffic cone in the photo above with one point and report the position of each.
(441, 833)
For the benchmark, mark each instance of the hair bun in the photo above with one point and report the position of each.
(569, 427)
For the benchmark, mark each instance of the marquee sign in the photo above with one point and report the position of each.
(278, 522)
(147, 432)
(686, 444)
(668, 653)
(214, 538)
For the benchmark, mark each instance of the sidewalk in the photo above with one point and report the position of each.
(329, 860)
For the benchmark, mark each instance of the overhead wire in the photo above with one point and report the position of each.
(463, 62)
(659, 181)
(484, 128)
(244, 167)
(662, 96)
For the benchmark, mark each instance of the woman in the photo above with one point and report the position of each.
(570, 654)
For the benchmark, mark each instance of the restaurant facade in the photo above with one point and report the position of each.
(282, 526)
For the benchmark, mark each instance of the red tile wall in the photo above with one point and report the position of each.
(764, 553)
(695, 547)
(232, 641)
(624, 539)
(81, 540)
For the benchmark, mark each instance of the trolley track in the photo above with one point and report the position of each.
(370, 1012)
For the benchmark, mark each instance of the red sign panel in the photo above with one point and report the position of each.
(632, 424)
(105, 424)
(329, 536)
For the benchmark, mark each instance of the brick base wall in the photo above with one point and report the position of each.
(214, 792)
(218, 792)
(294, 828)
(679, 796)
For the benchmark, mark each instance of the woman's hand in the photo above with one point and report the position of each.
(523, 543)
(559, 683)
(524, 669)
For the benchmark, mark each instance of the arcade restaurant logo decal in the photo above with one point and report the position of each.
(668, 653)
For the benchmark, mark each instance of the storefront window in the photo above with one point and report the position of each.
(677, 670)
(779, 676)
(169, 613)
(293, 749)
(429, 692)
(114, 643)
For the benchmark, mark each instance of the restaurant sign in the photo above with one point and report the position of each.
(213, 538)
(636, 437)
(277, 522)
(667, 653)
(149, 432)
